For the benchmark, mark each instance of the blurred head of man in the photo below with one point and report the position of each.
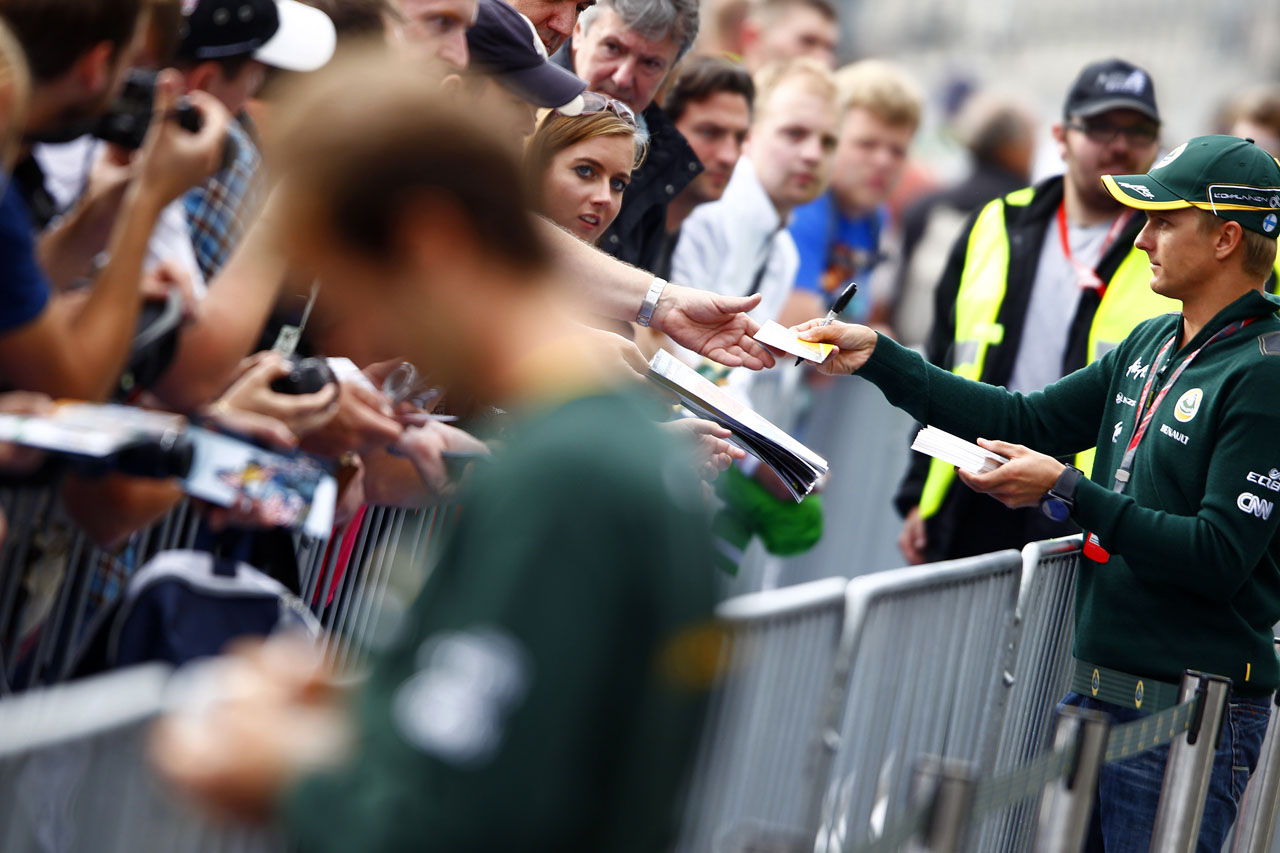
(553, 19)
(78, 52)
(626, 48)
(710, 104)
(412, 210)
(1000, 133)
(778, 30)
(437, 29)
(792, 143)
(509, 75)
(1255, 115)
(228, 44)
(881, 113)
(1110, 126)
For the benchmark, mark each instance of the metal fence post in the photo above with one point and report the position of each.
(1067, 804)
(951, 786)
(1186, 776)
(1256, 823)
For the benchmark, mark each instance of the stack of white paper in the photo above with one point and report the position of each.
(797, 466)
(964, 455)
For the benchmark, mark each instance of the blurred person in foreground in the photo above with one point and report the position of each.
(627, 49)
(76, 345)
(781, 30)
(1000, 135)
(1180, 567)
(552, 662)
(839, 235)
(1041, 282)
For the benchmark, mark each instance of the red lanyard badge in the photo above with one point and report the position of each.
(1086, 276)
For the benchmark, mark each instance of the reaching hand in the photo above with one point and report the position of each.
(712, 325)
(426, 445)
(303, 413)
(854, 344)
(913, 539)
(1021, 481)
(714, 451)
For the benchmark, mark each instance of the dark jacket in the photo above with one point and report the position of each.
(969, 523)
(637, 235)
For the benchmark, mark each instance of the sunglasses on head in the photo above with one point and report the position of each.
(594, 102)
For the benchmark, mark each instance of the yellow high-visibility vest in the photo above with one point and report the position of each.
(1128, 301)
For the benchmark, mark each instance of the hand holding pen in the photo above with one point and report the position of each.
(841, 303)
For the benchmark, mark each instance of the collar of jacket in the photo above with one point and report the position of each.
(1043, 207)
(1254, 304)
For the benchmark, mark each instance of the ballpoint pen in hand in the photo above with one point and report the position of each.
(841, 303)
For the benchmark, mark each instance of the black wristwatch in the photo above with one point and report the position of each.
(1061, 497)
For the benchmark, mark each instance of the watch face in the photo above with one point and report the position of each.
(1055, 508)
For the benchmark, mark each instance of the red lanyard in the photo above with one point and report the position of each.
(1086, 276)
(1092, 547)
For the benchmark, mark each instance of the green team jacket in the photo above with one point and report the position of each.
(546, 689)
(1193, 581)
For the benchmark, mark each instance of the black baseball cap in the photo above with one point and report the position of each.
(1228, 176)
(504, 43)
(1111, 84)
(284, 34)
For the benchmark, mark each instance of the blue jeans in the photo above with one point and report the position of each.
(1124, 810)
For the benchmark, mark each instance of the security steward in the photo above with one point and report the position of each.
(1181, 564)
(1042, 282)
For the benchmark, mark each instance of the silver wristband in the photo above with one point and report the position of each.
(645, 317)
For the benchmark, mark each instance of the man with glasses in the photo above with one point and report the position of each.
(1040, 283)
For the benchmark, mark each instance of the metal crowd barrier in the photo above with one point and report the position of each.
(760, 765)
(75, 776)
(54, 580)
(1039, 677)
(924, 649)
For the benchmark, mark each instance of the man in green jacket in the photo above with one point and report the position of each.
(1181, 565)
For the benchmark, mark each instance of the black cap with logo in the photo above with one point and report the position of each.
(1111, 84)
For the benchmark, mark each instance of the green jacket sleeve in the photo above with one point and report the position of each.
(1213, 552)
(1060, 420)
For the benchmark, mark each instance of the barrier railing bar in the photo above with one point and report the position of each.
(1067, 803)
(1187, 774)
(50, 630)
(950, 787)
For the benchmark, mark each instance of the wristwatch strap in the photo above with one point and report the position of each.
(1064, 489)
(645, 317)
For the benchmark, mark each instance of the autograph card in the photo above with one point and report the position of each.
(780, 337)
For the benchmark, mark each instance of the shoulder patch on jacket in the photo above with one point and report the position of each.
(1269, 343)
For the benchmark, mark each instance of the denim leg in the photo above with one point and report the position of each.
(1129, 790)
(1235, 759)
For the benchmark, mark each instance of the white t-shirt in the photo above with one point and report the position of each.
(1055, 298)
(66, 169)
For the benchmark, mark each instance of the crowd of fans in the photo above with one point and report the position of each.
(496, 194)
